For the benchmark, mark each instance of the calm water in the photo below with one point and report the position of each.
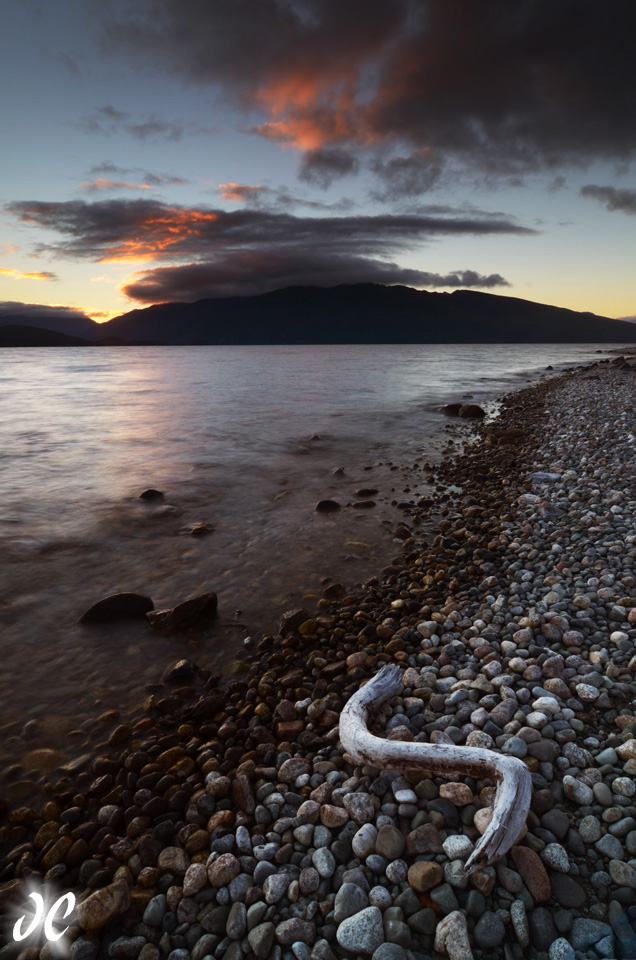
(243, 438)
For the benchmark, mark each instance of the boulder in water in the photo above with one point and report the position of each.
(119, 606)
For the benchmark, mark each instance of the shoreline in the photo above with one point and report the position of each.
(204, 760)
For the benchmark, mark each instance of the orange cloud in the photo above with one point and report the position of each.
(310, 112)
(157, 234)
(239, 192)
(101, 183)
(19, 275)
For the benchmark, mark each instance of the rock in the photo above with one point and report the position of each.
(103, 906)
(364, 841)
(293, 768)
(261, 939)
(556, 857)
(567, 892)
(275, 887)
(489, 931)
(623, 874)
(118, 606)
(520, 922)
(578, 791)
(561, 950)
(333, 817)
(350, 899)
(458, 847)
(390, 842)
(423, 875)
(363, 932)
(532, 872)
(198, 529)
(327, 506)
(586, 932)
(424, 839)
(444, 897)
(151, 494)
(389, 951)
(193, 612)
(451, 937)
(183, 671)
(324, 862)
(289, 931)
(543, 930)
(222, 870)
(360, 807)
(173, 860)
(458, 793)
(610, 846)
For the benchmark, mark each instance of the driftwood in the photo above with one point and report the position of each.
(512, 778)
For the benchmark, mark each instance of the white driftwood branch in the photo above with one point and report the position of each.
(513, 783)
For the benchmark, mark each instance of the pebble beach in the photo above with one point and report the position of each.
(226, 822)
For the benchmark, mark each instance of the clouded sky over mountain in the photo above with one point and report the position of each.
(155, 150)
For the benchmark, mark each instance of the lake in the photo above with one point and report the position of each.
(245, 439)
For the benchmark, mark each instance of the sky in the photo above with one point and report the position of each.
(157, 151)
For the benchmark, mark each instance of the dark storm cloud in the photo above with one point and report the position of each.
(123, 230)
(498, 86)
(322, 167)
(39, 311)
(252, 273)
(614, 199)
(407, 176)
(108, 120)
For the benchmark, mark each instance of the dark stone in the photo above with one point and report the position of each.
(424, 921)
(292, 619)
(566, 891)
(119, 606)
(543, 930)
(196, 611)
(471, 411)
(181, 672)
(151, 494)
(489, 931)
(586, 932)
(545, 751)
(327, 506)
(557, 822)
(625, 938)
(447, 809)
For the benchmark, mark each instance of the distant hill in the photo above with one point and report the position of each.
(70, 323)
(365, 313)
(22, 335)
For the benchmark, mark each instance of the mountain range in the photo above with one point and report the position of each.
(350, 313)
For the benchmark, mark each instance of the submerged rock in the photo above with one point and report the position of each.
(194, 612)
(118, 606)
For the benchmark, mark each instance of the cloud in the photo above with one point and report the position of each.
(108, 120)
(129, 230)
(497, 87)
(20, 275)
(240, 192)
(39, 311)
(108, 170)
(101, 183)
(613, 198)
(407, 176)
(276, 198)
(322, 167)
(252, 273)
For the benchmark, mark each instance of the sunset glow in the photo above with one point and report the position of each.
(218, 151)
